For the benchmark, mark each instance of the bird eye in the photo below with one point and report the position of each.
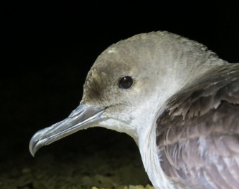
(126, 82)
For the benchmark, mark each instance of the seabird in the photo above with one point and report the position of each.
(175, 98)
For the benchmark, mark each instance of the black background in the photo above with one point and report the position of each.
(47, 48)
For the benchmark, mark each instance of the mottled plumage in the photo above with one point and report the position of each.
(181, 110)
(198, 133)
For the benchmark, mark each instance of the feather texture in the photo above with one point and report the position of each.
(198, 133)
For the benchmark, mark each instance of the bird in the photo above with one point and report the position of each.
(179, 102)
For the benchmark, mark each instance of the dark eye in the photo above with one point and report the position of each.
(126, 82)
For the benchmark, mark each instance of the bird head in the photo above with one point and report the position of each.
(128, 85)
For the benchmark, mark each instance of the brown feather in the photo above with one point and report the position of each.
(198, 133)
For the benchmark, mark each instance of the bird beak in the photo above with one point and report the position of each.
(83, 117)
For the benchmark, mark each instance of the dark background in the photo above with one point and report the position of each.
(47, 48)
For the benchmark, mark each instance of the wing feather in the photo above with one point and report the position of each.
(198, 135)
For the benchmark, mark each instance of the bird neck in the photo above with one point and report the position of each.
(147, 133)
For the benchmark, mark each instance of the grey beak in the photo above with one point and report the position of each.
(84, 116)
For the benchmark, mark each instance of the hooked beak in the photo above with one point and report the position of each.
(83, 117)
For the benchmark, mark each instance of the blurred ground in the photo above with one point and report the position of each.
(105, 165)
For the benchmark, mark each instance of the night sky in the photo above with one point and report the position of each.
(49, 46)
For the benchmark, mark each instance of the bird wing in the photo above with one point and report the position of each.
(198, 133)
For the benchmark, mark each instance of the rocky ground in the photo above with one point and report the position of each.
(115, 163)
